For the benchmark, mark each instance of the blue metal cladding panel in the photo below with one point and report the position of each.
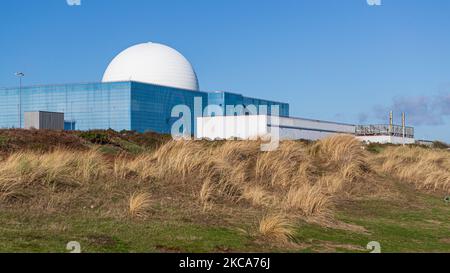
(86, 106)
(224, 99)
(151, 106)
(216, 98)
(119, 106)
(283, 107)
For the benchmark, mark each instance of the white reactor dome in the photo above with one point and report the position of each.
(152, 63)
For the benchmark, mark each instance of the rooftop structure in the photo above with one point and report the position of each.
(154, 64)
(386, 133)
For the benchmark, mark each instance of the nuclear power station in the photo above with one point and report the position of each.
(141, 87)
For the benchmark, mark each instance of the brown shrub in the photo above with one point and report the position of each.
(275, 228)
(139, 204)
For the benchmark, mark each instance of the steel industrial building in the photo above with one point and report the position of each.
(138, 91)
(140, 88)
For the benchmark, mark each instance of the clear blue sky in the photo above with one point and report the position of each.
(339, 60)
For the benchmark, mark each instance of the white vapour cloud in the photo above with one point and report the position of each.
(421, 110)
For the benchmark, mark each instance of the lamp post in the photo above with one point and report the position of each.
(20, 75)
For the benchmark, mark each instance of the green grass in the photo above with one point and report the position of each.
(109, 150)
(47, 233)
(130, 146)
(423, 227)
(3, 140)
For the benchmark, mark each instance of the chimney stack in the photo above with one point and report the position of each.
(391, 123)
(404, 126)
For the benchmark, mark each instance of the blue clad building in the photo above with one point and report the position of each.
(139, 90)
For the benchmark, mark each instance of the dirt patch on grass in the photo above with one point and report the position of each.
(101, 240)
(38, 140)
(333, 247)
(166, 249)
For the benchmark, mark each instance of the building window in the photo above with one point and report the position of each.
(69, 125)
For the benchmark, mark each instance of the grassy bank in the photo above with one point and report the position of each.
(128, 192)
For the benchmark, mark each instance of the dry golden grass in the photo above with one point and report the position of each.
(426, 168)
(206, 195)
(139, 168)
(339, 148)
(299, 179)
(275, 228)
(295, 177)
(222, 184)
(343, 164)
(55, 169)
(122, 168)
(179, 158)
(281, 168)
(310, 200)
(139, 204)
(15, 171)
(258, 196)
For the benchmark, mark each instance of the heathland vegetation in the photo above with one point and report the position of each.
(135, 192)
